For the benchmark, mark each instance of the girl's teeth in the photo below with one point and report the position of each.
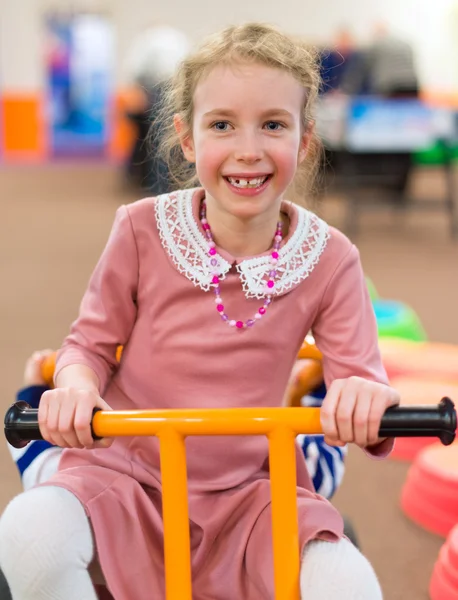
(247, 183)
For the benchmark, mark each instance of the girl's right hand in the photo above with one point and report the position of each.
(65, 415)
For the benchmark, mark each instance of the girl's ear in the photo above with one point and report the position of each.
(305, 142)
(187, 144)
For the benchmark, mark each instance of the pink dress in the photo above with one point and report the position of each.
(150, 291)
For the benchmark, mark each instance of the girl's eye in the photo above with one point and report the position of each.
(273, 126)
(221, 126)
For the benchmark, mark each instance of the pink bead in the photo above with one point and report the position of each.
(278, 238)
(262, 310)
(206, 226)
(215, 279)
(275, 255)
(232, 323)
(204, 221)
(220, 308)
(273, 261)
(212, 251)
(239, 324)
(270, 283)
(257, 316)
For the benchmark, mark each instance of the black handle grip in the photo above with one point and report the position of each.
(21, 422)
(21, 425)
(421, 421)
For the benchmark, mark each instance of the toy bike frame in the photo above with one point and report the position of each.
(280, 425)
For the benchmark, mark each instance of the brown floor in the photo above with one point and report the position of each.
(54, 223)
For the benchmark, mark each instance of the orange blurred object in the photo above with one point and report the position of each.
(307, 375)
(24, 126)
(47, 369)
(123, 132)
(309, 350)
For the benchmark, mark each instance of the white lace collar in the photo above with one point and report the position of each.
(186, 245)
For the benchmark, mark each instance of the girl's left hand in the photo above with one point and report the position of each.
(353, 409)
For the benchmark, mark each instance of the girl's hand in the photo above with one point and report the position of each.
(32, 371)
(353, 409)
(65, 415)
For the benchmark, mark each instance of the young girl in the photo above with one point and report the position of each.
(211, 291)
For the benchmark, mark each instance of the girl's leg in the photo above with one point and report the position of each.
(46, 546)
(337, 571)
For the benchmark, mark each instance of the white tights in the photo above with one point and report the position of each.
(337, 572)
(46, 547)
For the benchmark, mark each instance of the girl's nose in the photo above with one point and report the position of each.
(249, 149)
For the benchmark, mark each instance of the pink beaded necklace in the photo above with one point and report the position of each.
(216, 277)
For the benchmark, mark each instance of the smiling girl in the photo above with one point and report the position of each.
(212, 291)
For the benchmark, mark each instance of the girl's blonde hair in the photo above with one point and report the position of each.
(252, 42)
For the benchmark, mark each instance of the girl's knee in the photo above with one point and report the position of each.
(16, 525)
(45, 526)
(337, 571)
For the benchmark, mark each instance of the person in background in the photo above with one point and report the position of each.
(151, 61)
(336, 59)
(387, 68)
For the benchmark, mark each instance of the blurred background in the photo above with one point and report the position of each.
(79, 86)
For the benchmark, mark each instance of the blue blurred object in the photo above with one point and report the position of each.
(389, 125)
(396, 319)
(80, 61)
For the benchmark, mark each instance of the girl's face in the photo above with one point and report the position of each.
(247, 137)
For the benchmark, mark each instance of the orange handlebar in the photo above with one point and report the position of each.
(206, 421)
